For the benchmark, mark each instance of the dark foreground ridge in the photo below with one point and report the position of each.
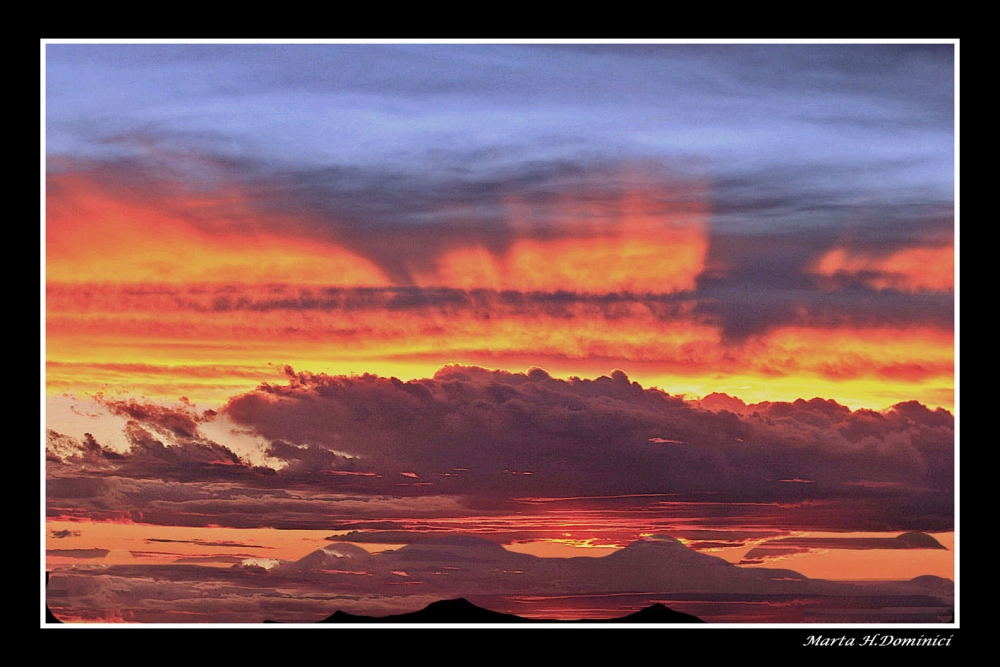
(657, 613)
(463, 611)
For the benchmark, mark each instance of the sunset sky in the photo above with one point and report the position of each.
(497, 289)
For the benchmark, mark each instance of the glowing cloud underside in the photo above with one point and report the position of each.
(232, 333)
(908, 270)
(634, 245)
(97, 235)
(200, 294)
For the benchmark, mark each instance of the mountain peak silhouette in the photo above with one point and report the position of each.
(658, 613)
(458, 610)
(461, 610)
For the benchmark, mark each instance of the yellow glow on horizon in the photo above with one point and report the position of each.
(855, 393)
(100, 337)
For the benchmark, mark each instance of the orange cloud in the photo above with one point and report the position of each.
(202, 295)
(104, 334)
(910, 354)
(96, 235)
(908, 270)
(871, 367)
(634, 244)
(87, 323)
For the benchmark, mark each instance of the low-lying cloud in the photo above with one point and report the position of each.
(487, 438)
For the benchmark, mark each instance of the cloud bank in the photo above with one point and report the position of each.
(487, 439)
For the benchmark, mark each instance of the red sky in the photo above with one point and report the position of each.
(546, 296)
(192, 294)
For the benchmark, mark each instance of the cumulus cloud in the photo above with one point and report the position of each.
(484, 438)
(87, 453)
(162, 441)
(601, 436)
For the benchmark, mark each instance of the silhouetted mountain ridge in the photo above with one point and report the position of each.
(461, 610)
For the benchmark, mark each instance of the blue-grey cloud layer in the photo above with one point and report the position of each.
(864, 117)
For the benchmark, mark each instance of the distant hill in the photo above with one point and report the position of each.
(442, 611)
(463, 611)
(657, 613)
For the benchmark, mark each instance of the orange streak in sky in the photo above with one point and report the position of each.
(204, 294)
(99, 332)
(635, 245)
(910, 354)
(95, 235)
(908, 270)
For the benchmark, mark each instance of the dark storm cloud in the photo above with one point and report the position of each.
(485, 437)
(601, 436)
(402, 220)
(762, 252)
